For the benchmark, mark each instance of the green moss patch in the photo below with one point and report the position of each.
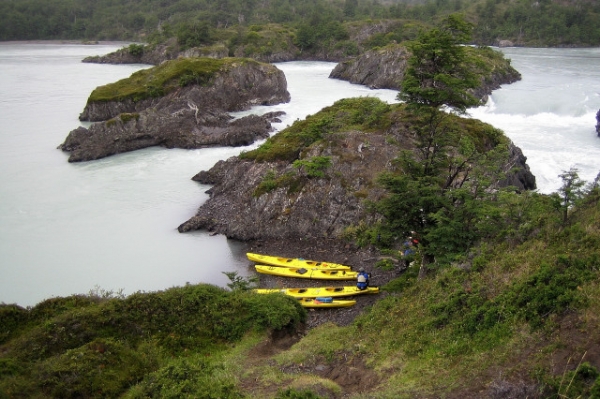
(366, 114)
(163, 79)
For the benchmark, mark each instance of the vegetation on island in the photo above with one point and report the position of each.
(163, 79)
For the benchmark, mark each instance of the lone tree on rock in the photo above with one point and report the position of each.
(432, 195)
(437, 72)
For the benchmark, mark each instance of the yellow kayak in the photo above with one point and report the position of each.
(311, 292)
(293, 262)
(315, 273)
(325, 303)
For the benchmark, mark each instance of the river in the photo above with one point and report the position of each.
(111, 224)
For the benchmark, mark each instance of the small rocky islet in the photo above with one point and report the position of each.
(181, 103)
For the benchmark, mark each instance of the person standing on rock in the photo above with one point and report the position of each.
(362, 279)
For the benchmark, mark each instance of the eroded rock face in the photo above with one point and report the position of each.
(314, 208)
(192, 117)
(378, 69)
(519, 175)
(160, 128)
(598, 123)
(310, 207)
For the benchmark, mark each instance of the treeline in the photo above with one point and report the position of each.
(524, 22)
(136, 19)
(539, 23)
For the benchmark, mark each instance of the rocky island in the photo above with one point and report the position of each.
(182, 103)
(383, 68)
(318, 187)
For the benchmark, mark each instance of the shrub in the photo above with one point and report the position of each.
(583, 382)
(103, 367)
(315, 166)
(267, 184)
(385, 264)
(12, 319)
(126, 117)
(186, 378)
(292, 393)
(136, 49)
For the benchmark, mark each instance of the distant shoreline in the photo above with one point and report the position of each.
(83, 42)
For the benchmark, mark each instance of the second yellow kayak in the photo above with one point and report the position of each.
(312, 292)
(315, 274)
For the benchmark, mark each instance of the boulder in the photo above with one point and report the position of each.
(598, 123)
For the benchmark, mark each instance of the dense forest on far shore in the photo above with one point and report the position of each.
(522, 22)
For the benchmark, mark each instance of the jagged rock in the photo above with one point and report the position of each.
(315, 207)
(153, 55)
(159, 128)
(378, 69)
(518, 173)
(504, 43)
(193, 116)
(320, 208)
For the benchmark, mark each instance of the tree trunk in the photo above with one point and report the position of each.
(425, 261)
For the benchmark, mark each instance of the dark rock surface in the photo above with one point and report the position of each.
(378, 69)
(322, 208)
(518, 174)
(317, 208)
(598, 123)
(192, 117)
(160, 128)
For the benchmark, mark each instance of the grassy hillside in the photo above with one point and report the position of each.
(99, 346)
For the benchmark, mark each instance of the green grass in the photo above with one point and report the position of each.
(366, 114)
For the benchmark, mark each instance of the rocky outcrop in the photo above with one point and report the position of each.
(318, 207)
(129, 132)
(384, 69)
(298, 206)
(598, 123)
(193, 116)
(518, 173)
(378, 69)
(156, 54)
(504, 43)
(269, 43)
